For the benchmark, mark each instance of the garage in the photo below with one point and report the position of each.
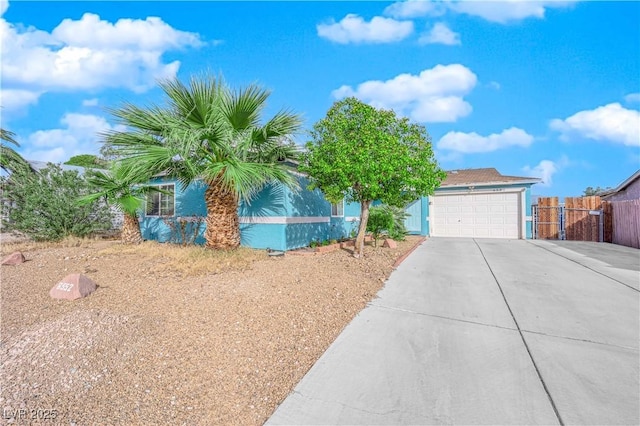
(489, 215)
(481, 203)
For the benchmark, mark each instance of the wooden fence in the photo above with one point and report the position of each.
(581, 223)
(588, 219)
(625, 218)
(548, 225)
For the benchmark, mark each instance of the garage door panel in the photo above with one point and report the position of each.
(476, 215)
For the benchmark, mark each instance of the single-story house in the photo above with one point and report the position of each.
(469, 203)
(627, 190)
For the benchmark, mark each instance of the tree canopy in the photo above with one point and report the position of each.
(88, 161)
(10, 160)
(205, 130)
(360, 154)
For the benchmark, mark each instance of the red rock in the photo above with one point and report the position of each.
(14, 258)
(389, 243)
(73, 287)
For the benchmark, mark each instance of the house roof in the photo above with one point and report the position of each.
(623, 185)
(482, 177)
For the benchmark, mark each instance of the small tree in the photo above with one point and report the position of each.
(42, 205)
(360, 153)
(121, 188)
(380, 220)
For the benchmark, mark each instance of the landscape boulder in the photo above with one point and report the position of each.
(14, 258)
(72, 287)
(390, 243)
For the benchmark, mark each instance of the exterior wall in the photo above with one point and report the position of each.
(525, 201)
(631, 192)
(278, 218)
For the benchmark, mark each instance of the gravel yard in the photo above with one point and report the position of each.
(161, 343)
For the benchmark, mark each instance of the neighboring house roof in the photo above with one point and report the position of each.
(631, 179)
(482, 177)
(39, 165)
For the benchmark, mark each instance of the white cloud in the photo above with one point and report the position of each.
(473, 143)
(90, 102)
(611, 122)
(545, 170)
(79, 134)
(353, 29)
(90, 53)
(632, 98)
(415, 9)
(506, 11)
(4, 5)
(440, 34)
(494, 85)
(16, 99)
(434, 95)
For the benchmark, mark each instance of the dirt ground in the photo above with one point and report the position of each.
(156, 344)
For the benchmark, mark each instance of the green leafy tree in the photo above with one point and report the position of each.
(88, 161)
(43, 205)
(590, 191)
(208, 131)
(10, 160)
(121, 188)
(360, 153)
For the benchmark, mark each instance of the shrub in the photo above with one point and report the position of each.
(398, 231)
(387, 220)
(43, 205)
(380, 221)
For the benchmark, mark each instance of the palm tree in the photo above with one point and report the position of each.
(208, 131)
(121, 188)
(10, 160)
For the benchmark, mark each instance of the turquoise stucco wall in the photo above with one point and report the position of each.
(270, 220)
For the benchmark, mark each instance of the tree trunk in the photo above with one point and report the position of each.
(131, 229)
(223, 225)
(364, 217)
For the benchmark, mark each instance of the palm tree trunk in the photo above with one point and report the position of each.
(131, 230)
(223, 224)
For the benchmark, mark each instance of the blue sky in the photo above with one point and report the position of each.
(548, 89)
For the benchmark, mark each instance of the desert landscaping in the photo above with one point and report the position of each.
(172, 335)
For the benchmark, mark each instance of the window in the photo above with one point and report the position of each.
(161, 204)
(337, 209)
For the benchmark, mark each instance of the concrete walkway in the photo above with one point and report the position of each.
(486, 332)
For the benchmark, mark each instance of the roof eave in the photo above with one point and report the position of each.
(477, 184)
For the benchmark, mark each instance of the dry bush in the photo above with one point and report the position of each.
(191, 260)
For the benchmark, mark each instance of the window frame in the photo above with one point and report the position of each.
(171, 187)
(339, 208)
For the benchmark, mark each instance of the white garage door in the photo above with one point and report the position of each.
(494, 215)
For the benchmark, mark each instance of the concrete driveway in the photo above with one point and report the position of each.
(487, 332)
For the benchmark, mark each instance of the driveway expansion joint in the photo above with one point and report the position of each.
(539, 333)
(524, 341)
(584, 266)
(391, 308)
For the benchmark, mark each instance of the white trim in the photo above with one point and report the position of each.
(283, 220)
(481, 184)
(352, 218)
